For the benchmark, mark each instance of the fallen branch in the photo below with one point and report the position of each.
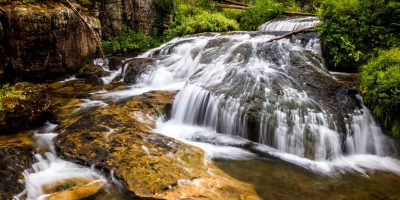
(235, 3)
(93, 33)
(305, 30)
(2, 10)
(298, 13)
(221, 5)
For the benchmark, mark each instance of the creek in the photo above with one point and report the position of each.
(267, 113)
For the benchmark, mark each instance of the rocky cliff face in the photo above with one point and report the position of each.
(44, 40)
(139, 15)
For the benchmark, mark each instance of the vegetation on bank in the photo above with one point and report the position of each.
(130, 41)
(354, 31)
(380, 87)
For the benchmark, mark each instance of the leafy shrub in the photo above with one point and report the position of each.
(130, 40)
(231, 13)
(260, 12)
(353, 31)
(380, 86)
(200, 21)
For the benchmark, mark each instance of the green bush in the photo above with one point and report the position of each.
(353, 31)
(200, 21)
(130, 40)
(380, 87)
(260, 12)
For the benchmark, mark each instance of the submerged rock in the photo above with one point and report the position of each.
(16, 155)
(22, 106)
(46, 40)
(118, 138)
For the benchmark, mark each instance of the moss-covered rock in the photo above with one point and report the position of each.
(119, 138)
(92, 74)
(22, 106)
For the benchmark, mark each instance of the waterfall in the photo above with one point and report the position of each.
(289, 24)
(240, 96)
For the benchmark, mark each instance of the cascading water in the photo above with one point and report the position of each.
(49, 169)
(241, 95)
(289, 24)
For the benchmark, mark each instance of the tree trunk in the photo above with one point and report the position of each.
(220, 5)
(305, 30)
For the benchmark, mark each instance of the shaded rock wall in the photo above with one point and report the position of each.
(139, 15)
(43, 41)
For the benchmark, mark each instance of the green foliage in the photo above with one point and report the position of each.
(353, 31)
(260, 12)
(232, 13)
(130, 40)
(200, 21)
(380, 87)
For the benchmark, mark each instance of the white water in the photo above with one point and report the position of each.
(49, 168)
(289, 24)
(224, 77)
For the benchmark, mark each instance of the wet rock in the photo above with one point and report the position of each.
(134, 68)
(44, 41)
(73, 188)
(119, 138)
(115, 63)
(92, 74)
(22, 106)
(16, 155)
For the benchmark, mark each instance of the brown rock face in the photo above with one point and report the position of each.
(139, 15)
(2, 56)
(45, 40)
(16, 155)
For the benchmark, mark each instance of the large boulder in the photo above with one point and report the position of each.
(22, 106)
(119, 138)
(16, 155)
(46, 40)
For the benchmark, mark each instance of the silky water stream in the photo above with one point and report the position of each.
(267, 113)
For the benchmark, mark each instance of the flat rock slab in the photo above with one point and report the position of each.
(119, 138)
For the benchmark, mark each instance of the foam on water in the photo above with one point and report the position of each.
(50, 168)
